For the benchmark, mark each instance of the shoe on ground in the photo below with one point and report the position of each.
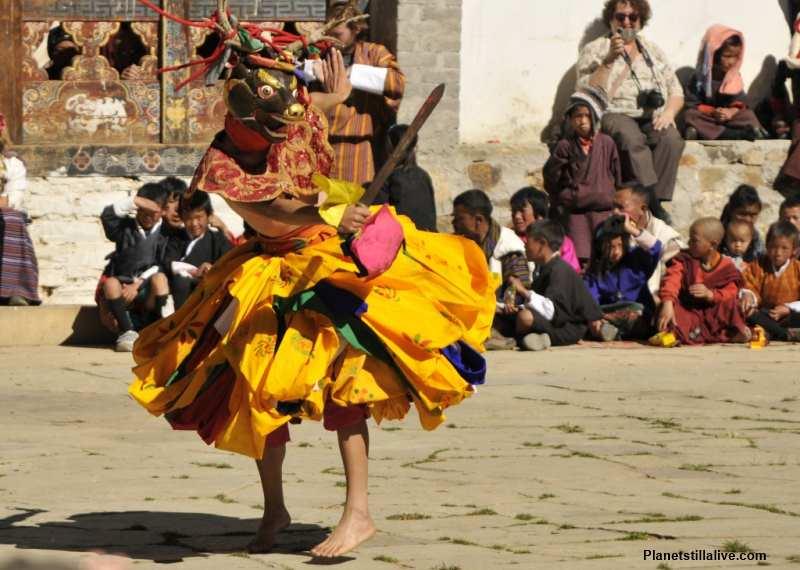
(17, 301)
(536, 342)
(125, 341)
(793, 335)
(608, 332)
(497, 342)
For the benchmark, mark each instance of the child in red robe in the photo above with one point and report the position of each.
(700, 291)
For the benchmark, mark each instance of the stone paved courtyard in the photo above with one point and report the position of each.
(574, 458)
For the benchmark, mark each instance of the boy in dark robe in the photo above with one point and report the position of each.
(716, 104)
(191, 253)
(583, 172)
(559, 309)
(700, 291)
(133, 289)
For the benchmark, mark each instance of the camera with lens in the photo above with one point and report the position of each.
(650, 99)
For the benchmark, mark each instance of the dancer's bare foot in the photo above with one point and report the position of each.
(354, 528)
(270, 526)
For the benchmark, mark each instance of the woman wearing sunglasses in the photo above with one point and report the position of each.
(644, 95)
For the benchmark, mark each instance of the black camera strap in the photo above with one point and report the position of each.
(648, 61)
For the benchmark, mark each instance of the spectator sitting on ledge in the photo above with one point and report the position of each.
(645, 96)
(716, 104)
(133, 287)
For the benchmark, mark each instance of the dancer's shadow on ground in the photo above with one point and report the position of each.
(164, 537)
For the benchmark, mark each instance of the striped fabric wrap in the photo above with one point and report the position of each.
(364, 118)
(19, 271)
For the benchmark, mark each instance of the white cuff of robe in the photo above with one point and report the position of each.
(645, 240)
(307, 70)
(794, 306)
(541, 305)
(368, 78)
(124, 208)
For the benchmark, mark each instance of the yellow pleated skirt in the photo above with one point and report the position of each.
(280, 328)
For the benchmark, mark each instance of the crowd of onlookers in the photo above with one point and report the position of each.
(165, 242)
(606, 262)
(641, 281)
(591, 255)
(634, 99)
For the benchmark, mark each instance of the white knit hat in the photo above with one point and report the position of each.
(593, 97)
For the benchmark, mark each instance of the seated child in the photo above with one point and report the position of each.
(132, 279)
(173, 225)
(700, 291)
(618, 275)
(745, 205)
(583, 172)
(174, 188)
(738, 237)
(529, 205)
(716, 105)
(790, 211)
(409, 187)
(771, 297)
(559, 309)
(191, 254)
(505, 256)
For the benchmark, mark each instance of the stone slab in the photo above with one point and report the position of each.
(574, 458)
(51, 326)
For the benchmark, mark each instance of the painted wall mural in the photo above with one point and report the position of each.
(103, 103)
(91, 102)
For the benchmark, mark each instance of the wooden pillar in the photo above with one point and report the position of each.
(10, 66)
(383, 23)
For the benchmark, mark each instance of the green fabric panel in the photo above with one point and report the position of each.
(356, 333)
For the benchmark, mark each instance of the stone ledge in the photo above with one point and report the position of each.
(52, 325)
(70, 244)
(710, 171)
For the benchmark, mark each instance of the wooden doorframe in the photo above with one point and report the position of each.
(10, 69)
(383, 23)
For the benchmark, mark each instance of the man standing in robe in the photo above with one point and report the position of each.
(359, 89)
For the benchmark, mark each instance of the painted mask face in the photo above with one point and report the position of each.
(265, 100)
